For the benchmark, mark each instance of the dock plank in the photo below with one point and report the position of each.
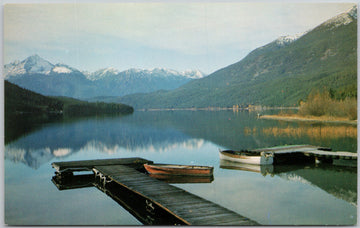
(203, 212)
(308, 150)
(334, 153)
(288, 149)
(88, 165)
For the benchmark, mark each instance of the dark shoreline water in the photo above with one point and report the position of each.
(280, 195)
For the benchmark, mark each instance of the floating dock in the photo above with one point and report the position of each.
(298, 153)
(88, 165)
(181, 206)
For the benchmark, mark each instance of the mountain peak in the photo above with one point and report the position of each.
(34, 57)
(353, 12)
(32, 64)
(36, 64)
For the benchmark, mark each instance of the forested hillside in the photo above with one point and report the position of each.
(19, 100)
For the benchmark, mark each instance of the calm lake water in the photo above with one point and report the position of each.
(278, 195)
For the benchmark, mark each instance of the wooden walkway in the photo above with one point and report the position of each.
(182, 205)
(315, 152)
(187, 207)
(88, 165)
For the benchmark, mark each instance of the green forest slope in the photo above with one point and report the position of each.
(19, 100)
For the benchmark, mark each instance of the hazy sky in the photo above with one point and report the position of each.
(192, 35)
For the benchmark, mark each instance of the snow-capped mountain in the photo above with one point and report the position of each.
(111, 81)
(193, 74)
(35, 65)
(32, 64)
(145, 73)
(39, 75)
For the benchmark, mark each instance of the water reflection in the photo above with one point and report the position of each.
(164, 131)
(35, 157)
(317, 132)
(338, 181)
(285, 195)
(109, 135)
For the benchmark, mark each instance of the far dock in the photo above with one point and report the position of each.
(300, 153)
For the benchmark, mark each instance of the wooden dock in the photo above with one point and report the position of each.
(183, 206)
(286, 154)
(88, 165)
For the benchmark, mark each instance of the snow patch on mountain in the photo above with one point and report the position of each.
(14, 68)
(164, 72)
(342, 19)
(99, 74)
(193, 74)
(284, 40)
(61, 70)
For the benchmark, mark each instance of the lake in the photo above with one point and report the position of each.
(309, 194)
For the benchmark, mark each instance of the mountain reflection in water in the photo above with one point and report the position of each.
(162, 131)
(339, 181)
(274, 195)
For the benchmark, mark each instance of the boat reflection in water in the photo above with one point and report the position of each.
(177, 179)
(263, 169)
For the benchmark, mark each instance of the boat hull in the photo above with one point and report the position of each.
(179, 170)
(260, 159)
(183, 179)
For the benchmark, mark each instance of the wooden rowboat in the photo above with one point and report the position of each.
(169, 169)
(248, 157)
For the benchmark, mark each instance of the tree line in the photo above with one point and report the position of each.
(329, 103)
(20, 100)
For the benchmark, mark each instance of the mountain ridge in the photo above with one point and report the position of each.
(36, 64)
(39, 75)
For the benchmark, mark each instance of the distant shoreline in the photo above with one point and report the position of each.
(309, 119)
(235, 109)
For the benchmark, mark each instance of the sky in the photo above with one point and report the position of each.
(179, 35)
